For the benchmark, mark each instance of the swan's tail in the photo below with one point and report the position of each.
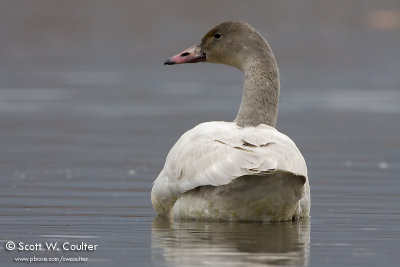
(272, 196)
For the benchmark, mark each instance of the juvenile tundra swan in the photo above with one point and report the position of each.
(243, 170)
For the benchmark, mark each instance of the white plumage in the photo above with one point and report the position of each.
(216, 153)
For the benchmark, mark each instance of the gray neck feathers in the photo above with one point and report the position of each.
(260, 90)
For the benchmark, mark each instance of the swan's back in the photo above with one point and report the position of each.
(220, 171)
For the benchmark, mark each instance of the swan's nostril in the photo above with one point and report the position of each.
(185, 54)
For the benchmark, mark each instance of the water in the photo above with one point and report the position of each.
(88, 116)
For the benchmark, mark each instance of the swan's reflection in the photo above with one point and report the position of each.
(230, 243)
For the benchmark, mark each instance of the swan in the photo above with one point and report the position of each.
(244, 170)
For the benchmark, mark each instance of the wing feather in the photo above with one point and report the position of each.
(215, 153)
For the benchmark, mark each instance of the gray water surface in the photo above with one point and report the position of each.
(88, 114)
(77, 175)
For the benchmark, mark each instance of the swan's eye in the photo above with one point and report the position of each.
(217, 35)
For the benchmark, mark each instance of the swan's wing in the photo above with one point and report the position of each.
(215, 153)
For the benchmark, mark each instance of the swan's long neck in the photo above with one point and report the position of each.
(260, 91)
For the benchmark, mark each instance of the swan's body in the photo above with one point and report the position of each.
(243, 170)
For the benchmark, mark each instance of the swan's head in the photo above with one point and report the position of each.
(232, 43)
